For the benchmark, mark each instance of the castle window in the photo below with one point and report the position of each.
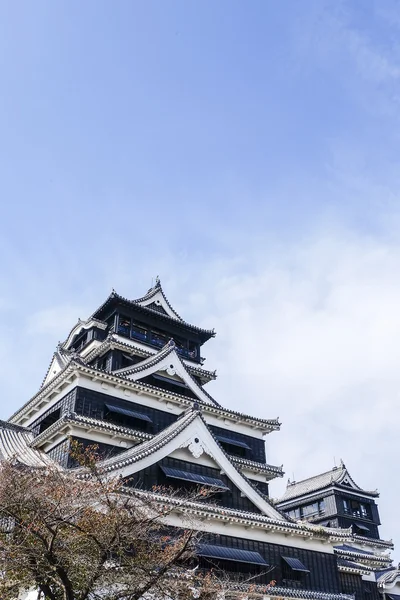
(158, 339)
(124, 325)
(49, 420)
(311, 510)
(126, 361)
(104, 363)
(196, 478)
(356, 509)
(126, 417)
(293, 571)
(138, 332)
(307, 511)
(231, 554)
(361, 529)
(236, 447)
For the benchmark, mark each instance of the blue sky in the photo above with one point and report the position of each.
(248, 153)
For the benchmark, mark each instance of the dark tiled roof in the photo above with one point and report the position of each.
(89, 423)
(360, 539)
(253, 465)
(347, 563)
(137, 453)
(205, 333)
(345, 551)
(153, 291)
(348, 548)
(287, 592)
(136, 435)
(116, 341)
(77, 364)
(387, 576)
(352, 566)
(155, 359)
(15, 445)
(336, 476)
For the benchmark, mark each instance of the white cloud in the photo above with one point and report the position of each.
(53, 320)
(307, 331)
(313, 336)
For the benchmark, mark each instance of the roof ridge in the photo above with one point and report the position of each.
(149, 446)
(113, 337)
(290, 525)
(166, 350)
(141, 451)
(13, 427)
(272, 424)
(81, 322)
(292, 483)
(149, 361)
(114, 294)
(153, 291)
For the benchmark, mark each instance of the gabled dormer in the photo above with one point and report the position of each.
(167, 370)
(155, 299)
(333, 499)
(187, 454)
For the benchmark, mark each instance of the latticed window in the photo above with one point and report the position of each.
(63, 406)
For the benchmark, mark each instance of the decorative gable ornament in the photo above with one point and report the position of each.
(196, 447)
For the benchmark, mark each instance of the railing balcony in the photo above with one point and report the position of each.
(124, 330)
(353, 512)
(149, 338)
(138, 335)
(190, 354)
(156, 341)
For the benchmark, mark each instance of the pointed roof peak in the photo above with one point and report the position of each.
(157, 303)
(167, 359)
(15, 446)
(154, 286)
(189, 431)
(158, 282)
(336, 476)
(155, 299)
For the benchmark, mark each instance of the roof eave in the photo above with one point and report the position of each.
(205, 334)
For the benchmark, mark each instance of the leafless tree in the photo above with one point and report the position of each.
(77, 535)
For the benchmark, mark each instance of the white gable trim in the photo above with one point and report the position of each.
(198, 439)
(173, 366)
(83, 325)
(53, 370)
(159, 300)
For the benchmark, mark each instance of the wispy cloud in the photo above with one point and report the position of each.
(53, 320)
(259, 179)
(313, 336)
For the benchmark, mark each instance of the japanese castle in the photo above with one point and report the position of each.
(131, 380)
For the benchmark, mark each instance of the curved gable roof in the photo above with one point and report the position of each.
(167, 359)
(336, 476)
(156, 296)
(15, 446)
(59, 360)
(189, 431)
(80, 326)
(148, 303)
